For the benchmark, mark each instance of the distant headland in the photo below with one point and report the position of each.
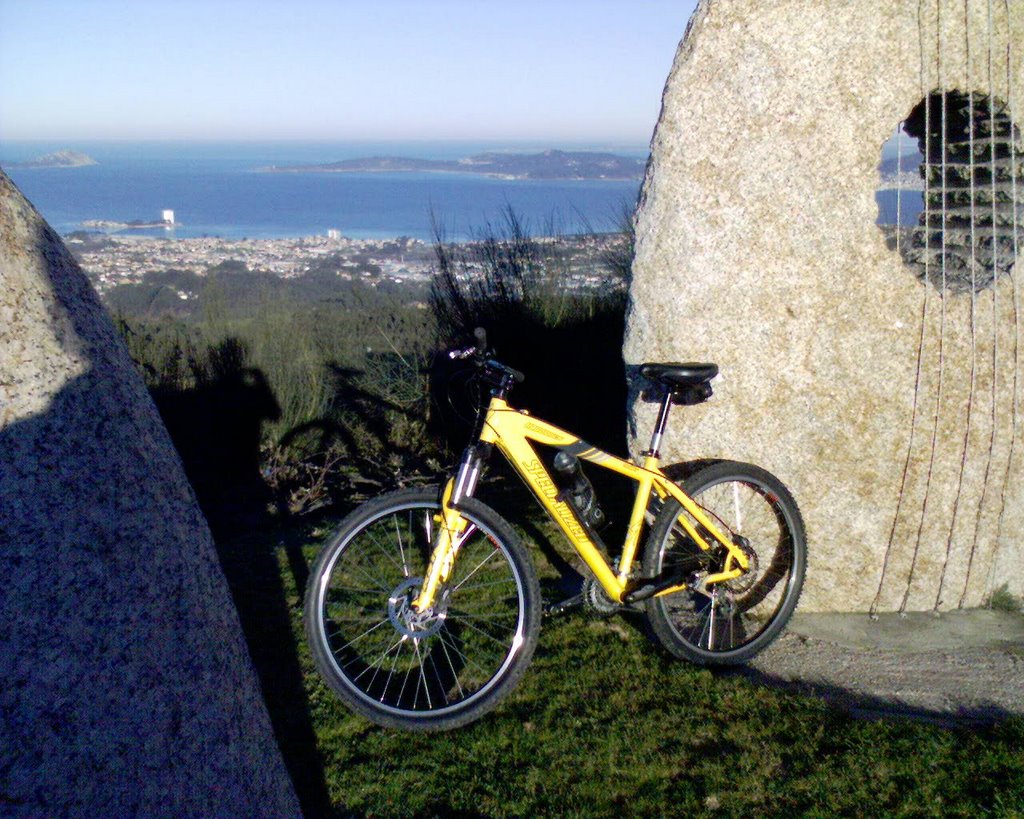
(545, 165)
(58, 159)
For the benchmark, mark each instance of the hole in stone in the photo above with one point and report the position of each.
(951, 194)
(899, 196)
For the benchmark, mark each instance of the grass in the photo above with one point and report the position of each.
(604, 724)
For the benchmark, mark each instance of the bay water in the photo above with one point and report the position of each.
(220, 189)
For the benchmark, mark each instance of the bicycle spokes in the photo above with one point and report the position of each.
(404, 660)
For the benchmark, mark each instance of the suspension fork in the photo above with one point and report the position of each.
(453, 528)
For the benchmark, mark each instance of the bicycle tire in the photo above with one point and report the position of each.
(435, 672)
(742, 616)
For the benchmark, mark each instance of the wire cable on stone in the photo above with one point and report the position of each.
(957, 145)
(873, 610)
(927, 240)
(995, 315)
(1014, 249)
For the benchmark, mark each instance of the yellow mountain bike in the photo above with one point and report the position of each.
(423, 608)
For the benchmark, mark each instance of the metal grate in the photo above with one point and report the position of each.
(973, 172)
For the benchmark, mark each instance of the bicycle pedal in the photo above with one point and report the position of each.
(570, 603)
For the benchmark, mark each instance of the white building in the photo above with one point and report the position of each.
(168, 216)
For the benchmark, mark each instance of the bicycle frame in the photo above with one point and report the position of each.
(511, 431)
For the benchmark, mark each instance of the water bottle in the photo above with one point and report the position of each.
(579, 492)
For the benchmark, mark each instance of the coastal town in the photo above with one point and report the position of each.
(111, 260)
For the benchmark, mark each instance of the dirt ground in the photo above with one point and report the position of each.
(958, 668)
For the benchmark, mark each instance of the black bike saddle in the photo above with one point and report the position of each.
(679, 375)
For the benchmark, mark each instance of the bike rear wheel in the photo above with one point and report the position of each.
(734, 620)
(432, 670)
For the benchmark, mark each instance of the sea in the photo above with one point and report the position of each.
(219, 189)
(896, 207)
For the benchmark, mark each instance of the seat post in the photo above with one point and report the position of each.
(659, 428)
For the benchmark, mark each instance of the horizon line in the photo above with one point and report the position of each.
(511, 139)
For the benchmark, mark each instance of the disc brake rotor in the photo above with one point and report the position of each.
(404, 617)
(745, 581)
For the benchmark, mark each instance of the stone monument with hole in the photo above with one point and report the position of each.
(127, 687)
(876, 370)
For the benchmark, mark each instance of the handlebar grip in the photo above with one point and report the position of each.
(477, 350)
(459, 354)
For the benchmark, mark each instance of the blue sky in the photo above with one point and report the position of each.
(555, 70)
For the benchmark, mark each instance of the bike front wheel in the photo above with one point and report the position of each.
(729, 622)
(437, 669)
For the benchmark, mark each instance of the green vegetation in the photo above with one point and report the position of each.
(321, 389)
(1003, 600)
(323, 402)
(604, 724)
(569, 343)
(508, 275)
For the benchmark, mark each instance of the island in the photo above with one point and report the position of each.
(902, 172)
(545, 165)
(58, 159)
(166, 221)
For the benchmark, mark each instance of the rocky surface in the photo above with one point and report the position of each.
(887, 404)
(127, 686)
(965, 667)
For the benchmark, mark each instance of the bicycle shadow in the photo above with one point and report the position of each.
(365, 442)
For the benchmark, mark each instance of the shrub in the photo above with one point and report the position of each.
(1003, 600)
(567, 342)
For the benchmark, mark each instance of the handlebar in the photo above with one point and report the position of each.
(478, 352)
(497, 366)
